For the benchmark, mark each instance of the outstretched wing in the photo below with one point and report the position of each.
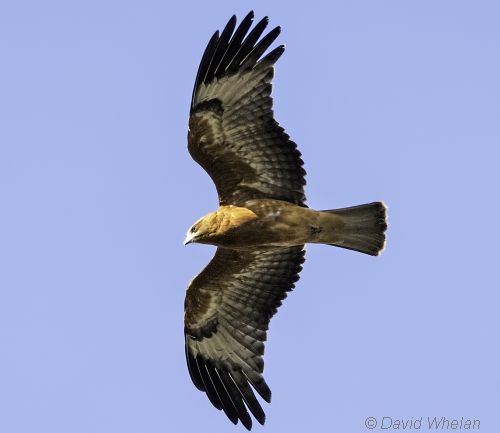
(232, 131)
(227, 312)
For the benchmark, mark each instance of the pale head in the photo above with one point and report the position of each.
(216, 225)
(202, 229)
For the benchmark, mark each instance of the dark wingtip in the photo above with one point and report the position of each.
(235, 49)
(247, 423)
(232, 22)
(266, 394)
(205, 64)
(272, 57)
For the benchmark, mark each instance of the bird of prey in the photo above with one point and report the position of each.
(262, 223)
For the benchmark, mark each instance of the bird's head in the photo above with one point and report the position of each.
(202, 229)
(215, 227)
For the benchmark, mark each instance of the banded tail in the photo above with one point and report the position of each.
(363, 228)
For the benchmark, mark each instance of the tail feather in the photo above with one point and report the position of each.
(363, 229)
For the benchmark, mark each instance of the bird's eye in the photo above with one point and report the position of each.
(193, 229)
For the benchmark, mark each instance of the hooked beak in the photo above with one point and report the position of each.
(189, 239)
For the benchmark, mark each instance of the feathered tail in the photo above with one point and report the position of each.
(363, 228)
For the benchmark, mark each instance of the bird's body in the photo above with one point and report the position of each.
(268, 223)
(262, 223)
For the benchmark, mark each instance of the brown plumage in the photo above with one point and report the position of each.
(261, 225)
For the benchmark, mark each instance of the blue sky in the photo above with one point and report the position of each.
(388, 100)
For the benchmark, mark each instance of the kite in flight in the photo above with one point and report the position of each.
(262, 223)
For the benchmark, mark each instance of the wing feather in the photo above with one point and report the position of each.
(227, 312)
(249, 397)
(207, 384)
(234, 44)
(260, 48)
(248, 45)
(205, 63)
(232, 131)
(233, 391)
(228, 403)
(194, 372)
(222, 45)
